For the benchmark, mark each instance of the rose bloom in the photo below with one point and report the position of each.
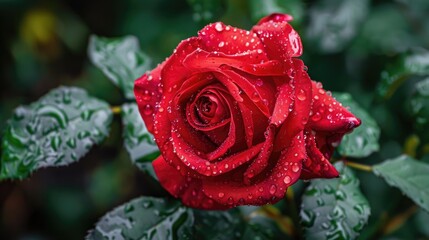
(237, 118)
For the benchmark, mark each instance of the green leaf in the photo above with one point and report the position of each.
(416, 63)
(334, 23)
(334, 208)
(409, 175)
(57, 130)
(120, 59)
(231, 224)
(137, 140)
(421, 222)
(260, 9)
(419, 108)
(220, 225)
(145, 218)
(363, 140)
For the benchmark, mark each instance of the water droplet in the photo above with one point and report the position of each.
(221, 194)
(301, 95)
(147, 110)
(273, 189)
(230, 200)
(219, 27)
(295, 168)
(287, 179)
(316, 117)
(226, 166)
(221, 44)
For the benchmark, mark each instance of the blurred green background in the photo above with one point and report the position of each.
(348, 44)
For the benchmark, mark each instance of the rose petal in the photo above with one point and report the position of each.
(328, 114)
(271, 187)
(146, 90)
(173, 69)
(296, 122)
(203, 166)
(250, 62)
(280, 40)
(230, 40)
(283, 104)
(188, 189)
(276, 17)
(316, 166)
(261, 162)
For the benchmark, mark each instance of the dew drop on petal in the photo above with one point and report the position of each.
(295, 168)
(287, 179)
(316, 117)
(221, 194)
(273, 189)
(147, 110)
(219, 27)
(221, 44)
(301, 95)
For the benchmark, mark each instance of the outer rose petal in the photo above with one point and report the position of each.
(280, 40)
(188, 189)
(328, 114)
(229, 40)
(148, 95)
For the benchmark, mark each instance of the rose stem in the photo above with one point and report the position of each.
(116, 109)
(359, 166)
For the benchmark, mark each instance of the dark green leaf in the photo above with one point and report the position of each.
(363, 140)
(226, 225)
(137, 140)
(220, 225)
(145, 218)
(419, 108)
(120, 59)
(260, 9)
(57, 130)
(262, 228)
(421, 221)
(410, 64)
(334, 208)
(334, 23)
(409, 175)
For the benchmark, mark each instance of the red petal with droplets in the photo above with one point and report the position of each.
(316, 166)
(276, 17)
(280, 40)
(270, 187)
(230, 40)
(148, 95)
(296, 122)
(188, 189)
(328, 114)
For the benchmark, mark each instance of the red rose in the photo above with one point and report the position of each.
(237, 118)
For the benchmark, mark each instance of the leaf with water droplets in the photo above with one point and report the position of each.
(334, 208)
(137, 140)
(232, 224)
(419, 108)
(145, 218)
(57, 130)
(218, 224)
(260, 9)
(120, 59)
(334, 23)
(416, 63)
(409, 175)
(363, 140)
